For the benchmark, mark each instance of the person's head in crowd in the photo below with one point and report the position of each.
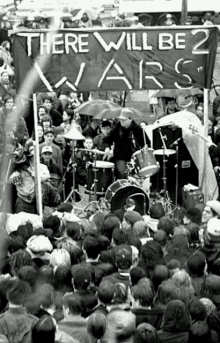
(212, 288)
(111, 222)
(136, 274)
(151, 255)
(9, 102)
(180, 245)
(49, 136)
(123, 257)
(145, 333)
(215, 267)
(164, 294)
(91, 248)
(119, 236)
(185, 294)
(68, 116)
(41, 111)
(173, 266)
(60, 257)
(192, 215)
(200, 333)
(161, 237)
(136, 251)
(72, 305)
(87, 228)
(46, 275)
(160, 274)
(171, 105)
(63, 278)
(40, 133)
(65, 207)
(105, 292)
(28, 274)
(157, 211)
(166, 224)
(121, 326)
(47, 103)
(125, 118)
(44, 330)
(210, 127)
(82, 277)
(73, 230)
(140, 229)
(181, 278)
(200, 111)
(120, 295)
(6, 45)
(96, 325)
(196, 264)
(88, 143)
(46, 122)
(4, 77)
(97, 220)
(16, 243)
(72, 247)
(39, 246)
(197, 310)
(211, 210)
(176, 318)
(180, 230)
(105, 127)
(143, 296)
(209, 305)
(18, 292)
(19, 259)
(53, 223)
(119, 214)
(193, 233)
(104, 243)
(46, 154)
(46, 296)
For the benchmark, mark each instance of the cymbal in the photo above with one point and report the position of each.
(166, 152)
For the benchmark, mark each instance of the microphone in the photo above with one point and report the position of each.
(175, 142)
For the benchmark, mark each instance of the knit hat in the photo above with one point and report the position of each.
(132, 217)
(215, 205)
(123, 256)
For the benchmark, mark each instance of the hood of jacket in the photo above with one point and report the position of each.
(176, 317)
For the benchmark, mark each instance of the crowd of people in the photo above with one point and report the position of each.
(120, 276)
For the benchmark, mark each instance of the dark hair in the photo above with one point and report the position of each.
(164, 293)
(47, 97)
(65, 207)
(143, 293)
(166, 224)
(46, 275)
(169, 99)
(194, 214)
(160, 274)
(111, 222)
(215, 267)
(161, 237)
(91, 246)
(157, 211)
(45, 294)
(70, 113)
(28, 274)
(196, 264)
(19, 259)
(105, 292)
(18, 291)
(96, 325)
(73, 302)
(73, 230)
(134, 240)
(119, 236)
(120, 294)
(199, 333)
(62, 278)
(46, 117)
(197, 310)
(151, 255)
(44, 330)
(41, 106)
(145, 333)
(25, 231)
(16, 243)
(136, 274)
(104, 243)
(98, 220)
(184, 293)
(7, 97)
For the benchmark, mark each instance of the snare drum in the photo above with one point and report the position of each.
(145, 162)
(118, 193)
(104, 175)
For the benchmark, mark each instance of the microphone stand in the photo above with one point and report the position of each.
(164, 165)
(177, 173)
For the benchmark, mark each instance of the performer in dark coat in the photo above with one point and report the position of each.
(127, 137)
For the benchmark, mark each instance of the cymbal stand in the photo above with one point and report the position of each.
(177, 173)
(166, 198)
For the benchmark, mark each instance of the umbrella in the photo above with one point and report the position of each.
(78, 13)
(115, 113)
(170, 93)
(94, 107)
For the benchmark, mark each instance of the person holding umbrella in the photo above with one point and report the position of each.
(127, 137)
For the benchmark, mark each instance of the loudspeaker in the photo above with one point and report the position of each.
(188, 172)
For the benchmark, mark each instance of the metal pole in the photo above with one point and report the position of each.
(206, 150)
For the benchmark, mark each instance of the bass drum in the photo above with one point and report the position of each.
(120, 191)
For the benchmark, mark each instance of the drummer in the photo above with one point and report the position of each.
(105, 129)
(127, 137)
(83, 160)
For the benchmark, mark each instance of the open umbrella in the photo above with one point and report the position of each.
(78, 13)
(95, 107)
(170, 93)
(116, 112)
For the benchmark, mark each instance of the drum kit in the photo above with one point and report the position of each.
(101, 184)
